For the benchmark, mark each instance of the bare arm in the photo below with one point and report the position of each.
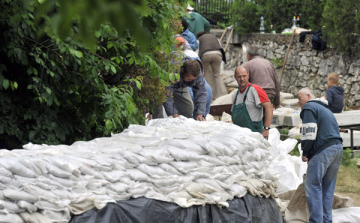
(268, 117)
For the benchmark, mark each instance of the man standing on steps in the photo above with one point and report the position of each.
(322, 148)
(249, 102)
(197, 22)
(262, 73)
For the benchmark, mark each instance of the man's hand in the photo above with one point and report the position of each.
(149, 117)
(200, 117)
(175, 115)
(265, 133)
(304, 158)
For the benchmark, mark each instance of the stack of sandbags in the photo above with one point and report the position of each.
(175, 160)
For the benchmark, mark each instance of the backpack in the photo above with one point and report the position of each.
(317, 42)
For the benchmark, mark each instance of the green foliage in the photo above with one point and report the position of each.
(59, 87)
(348, 159)
(277, 62)
(278, 13)
(295, 151)
(341, 21)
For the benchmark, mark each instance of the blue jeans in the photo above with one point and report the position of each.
(320, 183)
(208, 99)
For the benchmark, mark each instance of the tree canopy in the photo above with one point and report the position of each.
(77, 70)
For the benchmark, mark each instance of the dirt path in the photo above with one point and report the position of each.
(355, 197)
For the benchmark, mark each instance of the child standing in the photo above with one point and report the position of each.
(334, 93)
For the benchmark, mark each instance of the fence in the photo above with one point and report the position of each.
(214, 10)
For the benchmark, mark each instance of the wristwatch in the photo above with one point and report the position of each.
(266, 127)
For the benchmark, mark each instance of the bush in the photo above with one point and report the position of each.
(59, 89)
(348, 159)
(341, 19)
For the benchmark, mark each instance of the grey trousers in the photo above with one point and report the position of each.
(182, 103)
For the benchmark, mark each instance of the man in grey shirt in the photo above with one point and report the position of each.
(262, 73)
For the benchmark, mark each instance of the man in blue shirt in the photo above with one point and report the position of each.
(322, 149)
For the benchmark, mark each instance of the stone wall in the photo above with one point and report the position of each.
(305, 67)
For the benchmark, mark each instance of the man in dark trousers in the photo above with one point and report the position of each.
(262, 73)
(322, 149)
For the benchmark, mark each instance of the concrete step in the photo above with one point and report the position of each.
(290, 103)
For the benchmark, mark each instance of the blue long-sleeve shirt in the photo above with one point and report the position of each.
(319, 129)
(190, 37)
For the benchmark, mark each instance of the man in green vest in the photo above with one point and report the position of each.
(197, 22)
(249, 102)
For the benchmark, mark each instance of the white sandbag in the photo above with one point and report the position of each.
(170, 169)
(213, 160)
(10, 182)
(249, 156)
(157, 196)
(198, 175)
(5, 172)
(114, 176)
(57, 216)
(165, 182)
(348, 215)
(157, 156)
(184, 167)
(119, 187)
(10, 206)
(184, 144)
(210, 183)
(135, 158)
(35, 217)
(204, 163)
(137, 175)
(229, 160)
(39, 192)
(93, 185)
(225, 99)
(56, 171)
(138, 192)
(85, 169)
(238, 190)
(153, 171)
(67, 164)
(185, 179)
(182, 154)
(27, 206)
(260, 154)
(200, 187)
(18, 195)
(63, 181)
(12, 165)
(222, 148)
(10, 218)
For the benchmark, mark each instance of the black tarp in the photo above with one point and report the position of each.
(143, 210)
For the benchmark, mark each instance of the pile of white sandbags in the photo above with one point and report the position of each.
(175, 160)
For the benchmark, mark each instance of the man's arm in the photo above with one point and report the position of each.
(200, 95)
(169, 103)
(308, 132)
(268, 117)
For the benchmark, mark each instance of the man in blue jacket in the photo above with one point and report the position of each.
(322, 149)
(179, 101)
